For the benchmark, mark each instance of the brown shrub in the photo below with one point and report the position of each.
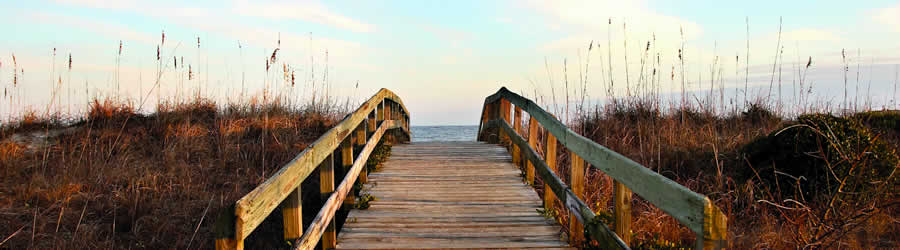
(120, 179)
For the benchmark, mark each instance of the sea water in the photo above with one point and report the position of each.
(443, 133)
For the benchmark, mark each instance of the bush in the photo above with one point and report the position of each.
(757, 114)
(883, 121)
(823, 154)
(634, 112)
(379, 155)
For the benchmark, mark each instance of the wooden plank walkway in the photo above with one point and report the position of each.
(449, 195)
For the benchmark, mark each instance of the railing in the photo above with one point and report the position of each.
(693, 210)
(383, 113)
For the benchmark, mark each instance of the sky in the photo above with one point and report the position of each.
(442, 57)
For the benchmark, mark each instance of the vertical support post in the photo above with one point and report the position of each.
(576, 229)
(504, 113)
(326, 188)
(361, 134)
(532, 142)
(371, 125)
(292, 211)
(517, 126)
(225, 232)
(395, 110)
(488, 115)
(715, 226)
(484, 119)
(389, 137)
(550, 158)
(495, 114)
(406, 121)
(393, 115)
(387, 109)
(358, 140)
(622, 206)
(364, 175)
(380, 110)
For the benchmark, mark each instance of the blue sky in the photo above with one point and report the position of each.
(442, 57)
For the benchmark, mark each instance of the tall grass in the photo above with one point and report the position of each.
(123, 173)
(731, 153)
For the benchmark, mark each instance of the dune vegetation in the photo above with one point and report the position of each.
(787, 172)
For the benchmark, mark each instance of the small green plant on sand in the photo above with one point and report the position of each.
(362, 202)
(379, 155)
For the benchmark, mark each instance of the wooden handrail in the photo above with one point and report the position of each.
(237, 222)
(691, 209)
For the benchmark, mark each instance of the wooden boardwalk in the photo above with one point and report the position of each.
(463, 194)
(449, 195)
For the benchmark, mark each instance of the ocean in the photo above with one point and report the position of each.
(443, 133)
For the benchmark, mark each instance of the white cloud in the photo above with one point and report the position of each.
(889, 16)
(593, 20)
(453, 36)
(310, 11)
(204, 19)
(810, 35)
(101, 4)
(110, 29)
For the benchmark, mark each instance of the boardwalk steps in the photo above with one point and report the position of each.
(449, 195)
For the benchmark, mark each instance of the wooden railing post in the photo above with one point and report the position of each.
(622, 207)
(387, 109)
(715, 226)
(358, 140)
(225, 231)
(292, 211)
(326, 188)
(504, 113)
(576, 229)
(497, 113)
(532, 142)
(364, 175)
(517, 126)
(393, 115)
(387, 116)
(484, 119)
(550, 158)
(395, 110)
(380, 112)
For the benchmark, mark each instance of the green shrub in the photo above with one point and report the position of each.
(758, 113)
(380, 154)
(818, 152)
(884, 120)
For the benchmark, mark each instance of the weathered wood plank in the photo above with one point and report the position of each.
(450, 202)
(292, 213)
(550, 160)
(326, 188)
(505, 109)
(622, 211)
(715, 228)
(532, 142)
(459, 242)
(517, 126)
(576, 175)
